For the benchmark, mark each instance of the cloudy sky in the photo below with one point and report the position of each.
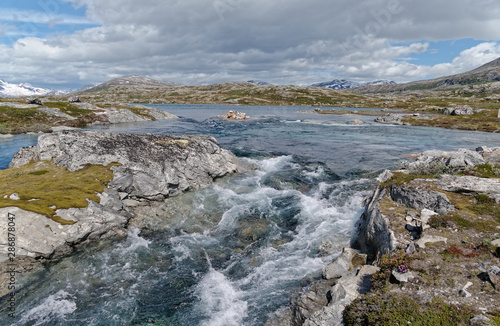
(70, 43)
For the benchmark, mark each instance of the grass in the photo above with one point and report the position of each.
(141, 112)
(485, 120)
(20, 120)
(391, 309)
(44, 187)
(69, 109)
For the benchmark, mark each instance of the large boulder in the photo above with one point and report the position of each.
(420, 198)
(390, 118)
(469, 184)
(372, 233)
(459, 110)
(150, 166)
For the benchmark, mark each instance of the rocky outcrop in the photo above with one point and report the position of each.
(150, 166)
(235, 115)
(38, 236)
(134, 113)
(420, 198)
(347, 288)
(459, 110)
(74, 99)
(323, 302)
(146, 167)
(389, 118)
(458, 159)
(470, 184)
(372, 234)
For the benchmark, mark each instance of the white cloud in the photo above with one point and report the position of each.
(283, 41)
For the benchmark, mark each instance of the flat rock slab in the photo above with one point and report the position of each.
(429, 239)
(149, 165)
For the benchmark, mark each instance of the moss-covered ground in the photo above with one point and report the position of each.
(44, 187)
(441, 269)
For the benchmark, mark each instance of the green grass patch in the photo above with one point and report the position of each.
(483, 171)
(400, 178)
(69, 109)
(390, 309)
(141, 112)
(44, 187)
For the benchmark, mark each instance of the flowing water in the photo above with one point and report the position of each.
(231, 254)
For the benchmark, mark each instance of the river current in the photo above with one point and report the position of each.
(234, 253)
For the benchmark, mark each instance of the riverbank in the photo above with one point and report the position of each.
(17, 117)
(432, 230)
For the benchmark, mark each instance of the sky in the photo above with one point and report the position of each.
(66, 44)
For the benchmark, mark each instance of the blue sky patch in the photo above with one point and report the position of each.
(39, 18)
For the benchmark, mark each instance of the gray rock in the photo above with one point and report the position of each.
(347, 260)
(149, 165)
(14, 196)
(459, 159)
(55, 112)
(459, 110)
(347, 288)
(74, 99)
(465, 293)
(496, 243)
(372, 232)
(481, 320)
(465, 158)
(429, 239)
(356, 122)
(417, 198)
(389, 118)
(61, 128)
(38, 236)
(467, 184)
(36, 101)
(384, 176)
(462, 110)
(402, 277)
(411, 248)
(491, 155)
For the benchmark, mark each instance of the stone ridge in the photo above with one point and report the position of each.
(151, 166)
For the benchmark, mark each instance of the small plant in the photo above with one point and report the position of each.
(437, 221)
(393, 309)
(403, 269)
(399, 261)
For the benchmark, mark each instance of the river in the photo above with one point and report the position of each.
(231, 254)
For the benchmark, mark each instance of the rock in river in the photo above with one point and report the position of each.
(146, 167)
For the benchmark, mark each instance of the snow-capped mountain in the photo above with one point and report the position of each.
(339, 84)
(25, 89)
(258, 82)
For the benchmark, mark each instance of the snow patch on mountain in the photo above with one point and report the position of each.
(25, 89)
(339, 84)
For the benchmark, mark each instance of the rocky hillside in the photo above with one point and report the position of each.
(133, 81)
(489, 72)
(18, 117)
(244, 93)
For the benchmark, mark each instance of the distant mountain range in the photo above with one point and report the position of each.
(258, 82)
(339, 84)
(25, 89)
(489, 72)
